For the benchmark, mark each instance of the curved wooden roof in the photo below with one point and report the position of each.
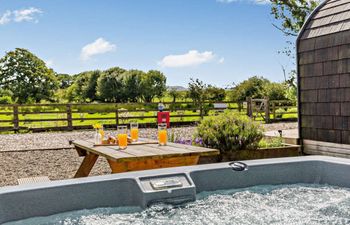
(332, 16)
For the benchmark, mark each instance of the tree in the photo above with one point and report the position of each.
(292, 14)
(89, 89)
(153, 84)
(292, 89)
(197, 91)
(84, 87)
(216, 93)
(26, 76)
(253, 87)
(275, 91)
(5, 96)
(65, 80)
(132, 84)
(175, 94)
(110, 86)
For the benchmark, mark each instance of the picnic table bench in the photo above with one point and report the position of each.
(148, 155)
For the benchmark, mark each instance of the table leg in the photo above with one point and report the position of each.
(80, 151)
(86, 166)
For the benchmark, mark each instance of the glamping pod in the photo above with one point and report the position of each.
(323, 53)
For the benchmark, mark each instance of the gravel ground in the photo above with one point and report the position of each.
(17, 162)
(60, 140)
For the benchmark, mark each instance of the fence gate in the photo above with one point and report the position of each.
(259, 108)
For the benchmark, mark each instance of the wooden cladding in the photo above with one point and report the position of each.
(323, 51)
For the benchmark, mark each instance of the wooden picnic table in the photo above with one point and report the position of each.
(148, 155)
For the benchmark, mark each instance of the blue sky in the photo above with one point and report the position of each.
(217, 41)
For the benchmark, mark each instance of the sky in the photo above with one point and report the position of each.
(218, 41)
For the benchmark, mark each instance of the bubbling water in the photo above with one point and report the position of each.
(282, 204)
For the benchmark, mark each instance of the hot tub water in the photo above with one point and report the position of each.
(280, 204)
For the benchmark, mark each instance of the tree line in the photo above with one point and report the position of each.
(114, 85)
(25, 78)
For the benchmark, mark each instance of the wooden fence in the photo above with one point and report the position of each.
(45, 117)
(271, 110)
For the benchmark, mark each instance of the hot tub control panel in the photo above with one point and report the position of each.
(164, 182)
(169, 189)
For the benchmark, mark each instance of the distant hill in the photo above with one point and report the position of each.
(178, 88)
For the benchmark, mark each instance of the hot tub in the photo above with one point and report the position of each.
(169, 186)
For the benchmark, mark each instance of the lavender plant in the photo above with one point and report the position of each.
(229, 131)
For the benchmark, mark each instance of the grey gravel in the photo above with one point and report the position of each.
(63, 163)
(56, 140)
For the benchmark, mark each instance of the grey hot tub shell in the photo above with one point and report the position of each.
(135, 188)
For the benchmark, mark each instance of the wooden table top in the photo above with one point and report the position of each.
(144, 151)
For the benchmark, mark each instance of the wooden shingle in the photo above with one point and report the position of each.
(307, 45)
(346, 137)
(329, 135)
(344, 80)
(344, 94)
(345, 108)
(308, 96)
(341, 122)
(308, 108)
(308, 133)
(344, 51)
(328, 109)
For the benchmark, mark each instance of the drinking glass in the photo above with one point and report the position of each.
(162, 134)
(122, 137)
(134, 131)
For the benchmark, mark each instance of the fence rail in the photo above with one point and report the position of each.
(271, 110)
(43, 117)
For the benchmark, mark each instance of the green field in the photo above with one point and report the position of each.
(89, 114)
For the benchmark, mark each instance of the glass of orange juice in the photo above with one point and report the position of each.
(122, 137)
(134, 131)
(162, 134)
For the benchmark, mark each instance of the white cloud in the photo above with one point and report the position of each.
(5, 18)
(190, 58)
(221, 60)
(26, 14)
(100, 46)
(259, 2)
(23, 15)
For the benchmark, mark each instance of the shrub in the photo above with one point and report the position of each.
(271, 142)
(5, 100)
(275, 91)
(174, 106)
(229, 132)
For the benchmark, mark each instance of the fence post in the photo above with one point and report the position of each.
(69, 117)
(274, 110)
(267, 109)
(15, 118)
(117, 116)
(249, 107)
(201, 106)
